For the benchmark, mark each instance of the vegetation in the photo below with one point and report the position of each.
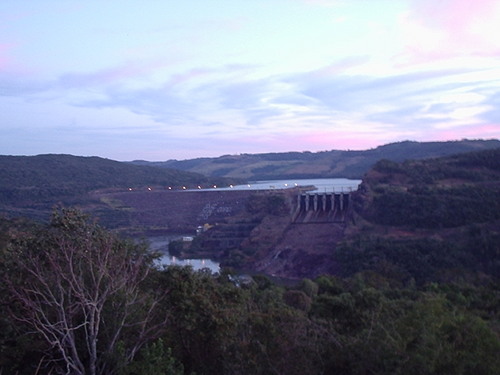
(79, 290)
(76, 299)
(415, 290)
(447, 192)
(472, 254)
(428, 220)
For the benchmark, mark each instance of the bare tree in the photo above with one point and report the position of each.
(79, 287)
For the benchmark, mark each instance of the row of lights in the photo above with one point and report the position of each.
(212, 187)
(183, 187)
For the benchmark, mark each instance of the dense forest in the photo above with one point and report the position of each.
(49, 176)
(415, 290)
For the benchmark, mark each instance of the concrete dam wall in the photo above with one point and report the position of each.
(321, 208)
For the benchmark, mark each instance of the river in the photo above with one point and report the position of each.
(160, 244)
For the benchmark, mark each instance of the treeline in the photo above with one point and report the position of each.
(77, 299)
(466, 255)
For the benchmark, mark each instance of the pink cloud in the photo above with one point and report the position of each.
(342, 140)
(454, 16)
(322, 140)
(446, 28)
(5, 57)
(10, 65)
(487, 131)
(315, 141)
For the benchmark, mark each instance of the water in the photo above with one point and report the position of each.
(323, 185)
(160, 244)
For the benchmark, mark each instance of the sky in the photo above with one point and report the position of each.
(160, 79)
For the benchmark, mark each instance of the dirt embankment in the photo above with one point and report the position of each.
(164, 211)
(304, 250)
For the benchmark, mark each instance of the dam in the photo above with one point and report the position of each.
(321, 207)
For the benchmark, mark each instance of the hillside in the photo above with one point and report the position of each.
(428, 220)
(335, 163)
(434, 193)
(31, 185)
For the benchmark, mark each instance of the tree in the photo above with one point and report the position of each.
(155, 360)
(80, 288)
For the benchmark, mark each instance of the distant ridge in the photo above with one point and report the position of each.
(335, 163)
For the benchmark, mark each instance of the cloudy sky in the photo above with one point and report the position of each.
(161, 79)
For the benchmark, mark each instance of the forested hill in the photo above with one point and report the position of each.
(335, 163)
(428, 220)
(85, 173)
(38, 182)
(438, 193)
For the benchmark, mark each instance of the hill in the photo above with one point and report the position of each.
(434, 193)
(31, 185)
(335, 163)
(427, 220)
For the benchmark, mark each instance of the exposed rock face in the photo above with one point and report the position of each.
(265, 238)
(304, 250)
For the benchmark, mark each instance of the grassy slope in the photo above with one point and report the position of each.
(350, 164)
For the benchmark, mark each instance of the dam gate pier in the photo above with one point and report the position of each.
(321, 208)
